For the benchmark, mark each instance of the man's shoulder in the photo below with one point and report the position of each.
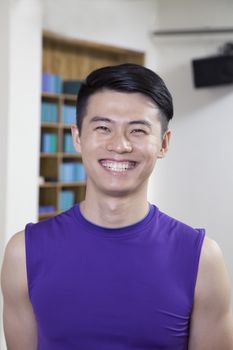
(13, 274)
(211, 257)
(47, 225)
(175, 225)
(212, 274)
(211, 250)
(15, 247)
(212, 321)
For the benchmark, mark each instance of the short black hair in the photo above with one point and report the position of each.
(127, 78)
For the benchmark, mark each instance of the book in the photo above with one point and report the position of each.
(68, 114)
(79, 172)
(49, 142)
(71, 86)
(72, 172)
(67, 172)
(43, 209)
(51, 83)
(49, 112)
(66, 199)
(68, 146)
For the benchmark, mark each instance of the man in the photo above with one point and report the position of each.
(114, 272)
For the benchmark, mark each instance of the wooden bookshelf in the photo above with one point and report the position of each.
(71, 59)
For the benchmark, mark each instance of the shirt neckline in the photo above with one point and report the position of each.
(119, 232)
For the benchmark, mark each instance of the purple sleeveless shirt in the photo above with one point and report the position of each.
(95, 288)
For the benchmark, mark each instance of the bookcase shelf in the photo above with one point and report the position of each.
(70, 59)
(47, 215)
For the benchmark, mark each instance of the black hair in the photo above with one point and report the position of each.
(128, 78)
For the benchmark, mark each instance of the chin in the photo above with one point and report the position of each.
(118, 192)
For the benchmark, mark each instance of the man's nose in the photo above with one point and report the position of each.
(119, 143)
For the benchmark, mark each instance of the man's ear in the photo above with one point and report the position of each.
(165, 144)
(76, 138)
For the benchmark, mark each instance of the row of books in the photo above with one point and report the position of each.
(68, 114)
(72, 172)
(44, 209)
(49, 112)
(68, 146)
(66, 199)
(53, 83)
(49, 142)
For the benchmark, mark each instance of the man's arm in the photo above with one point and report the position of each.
(212, 322)
(18, 318)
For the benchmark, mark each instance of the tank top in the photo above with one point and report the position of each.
(95, 288)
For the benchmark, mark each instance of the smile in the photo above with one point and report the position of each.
(119, 166)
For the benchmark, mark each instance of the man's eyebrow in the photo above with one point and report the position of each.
(100, 119)
(132, 122)
(143, 122)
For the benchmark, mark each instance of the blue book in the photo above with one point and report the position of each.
(51, 83)
(46, 142)
(54, 113)
(49, 142)
(66, 172)
(50, 86)
(69, 114)
(55, 84)
(71, 86)
(66, 199)
(45, 82)
(72, 172)
(43, 209)
(80, 174)
(68, 144)
(49, 112)
(53, 148)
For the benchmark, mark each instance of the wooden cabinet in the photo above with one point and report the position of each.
(70, 59)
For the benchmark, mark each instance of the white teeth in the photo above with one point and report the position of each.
(118, 166)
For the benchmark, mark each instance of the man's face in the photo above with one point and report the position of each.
(120, 142)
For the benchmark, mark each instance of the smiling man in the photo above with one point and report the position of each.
(114, 272)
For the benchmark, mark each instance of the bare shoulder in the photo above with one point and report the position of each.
(19, 321)
(15, 244)
(210, 250)
(13, 275)
(211, 320)
(15, 250)
(213, 279)
(213, 282)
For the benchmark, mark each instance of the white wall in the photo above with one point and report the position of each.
(4, 93)
(24, 117)
(125, 23)
(4, 109)
(196, 179)
(20, 71)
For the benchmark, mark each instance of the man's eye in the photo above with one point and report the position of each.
(138, 131)
(102, 128)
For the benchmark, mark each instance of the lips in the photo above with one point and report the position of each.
(118, 166)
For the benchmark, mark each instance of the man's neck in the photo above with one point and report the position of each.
(114, 212)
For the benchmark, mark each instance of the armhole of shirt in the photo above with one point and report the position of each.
(200, 239)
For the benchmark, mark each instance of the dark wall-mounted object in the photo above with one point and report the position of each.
(213, 71)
